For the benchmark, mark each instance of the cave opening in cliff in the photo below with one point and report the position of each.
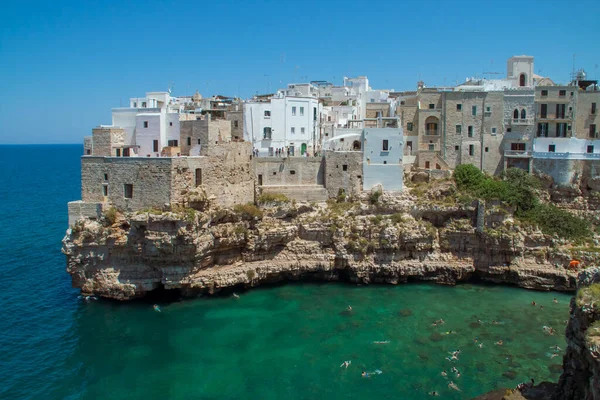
(161, 294)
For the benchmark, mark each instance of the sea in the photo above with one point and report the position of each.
(287, 341)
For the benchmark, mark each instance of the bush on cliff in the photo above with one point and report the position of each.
(248, 211)
(552, 220)
(111, 215)
(266, 198)
(589, 295)
(468, 177)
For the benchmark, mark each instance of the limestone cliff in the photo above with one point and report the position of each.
(124, 256)
(581, 363)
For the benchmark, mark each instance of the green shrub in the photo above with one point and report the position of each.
(553, 220)
(374, 197)
(265, 198)
(467, 176)
(397, 218)
(376, 220)
(111, 215)
(336, 209)
(341, 196)
(593, 331)
(248, 211)
(588, 295)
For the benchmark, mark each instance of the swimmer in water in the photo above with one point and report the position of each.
(481, 345)
(554, 355)
(236, 296)
(555, 301)
(499, 342)
(533, 303)
(346, 364)
(364, 374)
(556, 348)
(452, 385)
(453, 369)
(156, 308)
(444, 373)
(349, 308)
(541, 307)
(434, 393)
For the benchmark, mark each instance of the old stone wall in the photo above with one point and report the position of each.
(289, 171)
(343, 170)
(79, 209)
(105, 140)
(493, 128)
(202, 133)
(237, 124)
(584, 116)
(150, 180)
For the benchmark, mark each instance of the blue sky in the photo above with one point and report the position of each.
(63, 65)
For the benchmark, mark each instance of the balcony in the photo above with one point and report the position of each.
(554, 117)
(518, 153)
(521, 121)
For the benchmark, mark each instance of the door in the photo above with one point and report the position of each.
(303, 149)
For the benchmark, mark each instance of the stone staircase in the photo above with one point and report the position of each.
(314, 193)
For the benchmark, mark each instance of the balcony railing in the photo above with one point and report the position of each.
(522, 121)
(430, 132)
(518, 153)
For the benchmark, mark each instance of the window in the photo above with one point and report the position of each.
(487, 149)
(562, 93)
(517, 146)
(459, 129)
(431, 106)
(134, 104)
(408, 145)
(155, 146)
(118, 152)
(267, 133)
(235, 124)
(267, 114)
(544, 111)
(488, 109)
(105, 187)
(293, 130)
(561, 130)
(345, 167)
(314, 113)
(456, 148)
(470, 130)
(301, 111)
(198, 177)
(427, 164)
(372, 100)
(516, 114)
(458, 107)
(125, 152)
(105, 177)
(172, 143)
(560, 110)
(199, 141)
(294, 110)
(88, 152)
(302, 131)
(551, 148)
(329, 118)
(143, 104)
(385, 146)
(590, 149)
(189, 141)
(170, 124)
(493, 131)
(145, 124)
(592, 130)
(409, 126)
(292, 172)
(474, 110)
(402, 102)
(593, 111)
(523, 114)
(471, 150)
(542, 129)
(431, 128)
(544, 93)
(128, 191)
(431, 147)
(522, 80)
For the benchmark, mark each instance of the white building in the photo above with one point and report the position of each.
(150, 123)
(287, 122)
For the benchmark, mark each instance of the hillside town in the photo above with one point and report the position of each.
(312, 141)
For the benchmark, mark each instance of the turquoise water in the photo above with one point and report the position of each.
(278, 342)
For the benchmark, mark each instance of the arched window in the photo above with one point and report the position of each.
(356, 145)
(516, 114)
(431, 125)
(523, 114)
(522, 80)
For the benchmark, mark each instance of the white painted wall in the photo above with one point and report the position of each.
(569, 148)
(146, 136)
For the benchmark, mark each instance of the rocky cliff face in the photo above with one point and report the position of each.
(581, 363)
(393, 241)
